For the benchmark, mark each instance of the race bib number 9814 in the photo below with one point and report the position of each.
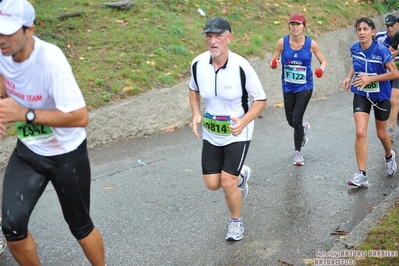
(217, 124)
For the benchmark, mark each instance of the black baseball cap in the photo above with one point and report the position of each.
(390, 20)
(217, 25)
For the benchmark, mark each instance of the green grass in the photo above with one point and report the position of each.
(118, 54)
(384, 236)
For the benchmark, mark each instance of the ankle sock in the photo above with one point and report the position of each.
(363, 172)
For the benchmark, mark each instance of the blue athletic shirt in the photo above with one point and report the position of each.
(383, 38)
(297, 72)
(372, 61)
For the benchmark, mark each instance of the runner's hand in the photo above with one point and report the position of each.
(11, 111)
(346, 84)
(274, 63)
(318, 72)
(196, 121)
(362, 81)
(236, 127)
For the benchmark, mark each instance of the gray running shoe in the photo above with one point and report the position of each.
(236, 230)
(391, 165)
(358, 180)
(306, 127)
(390, 132)
(3, 242)
(298, 158)
(245, 174)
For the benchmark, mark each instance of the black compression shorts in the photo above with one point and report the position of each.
(382, 109)
(27, 175)
(229, 158)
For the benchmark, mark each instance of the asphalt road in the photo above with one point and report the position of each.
(152, 207)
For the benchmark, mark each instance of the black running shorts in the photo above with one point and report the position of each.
(382, 109)
(395, 84)
(229, 158)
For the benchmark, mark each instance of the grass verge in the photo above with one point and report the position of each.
(117, 54)
(382, 237)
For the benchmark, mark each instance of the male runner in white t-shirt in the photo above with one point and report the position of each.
(233, 97)
(41, 97)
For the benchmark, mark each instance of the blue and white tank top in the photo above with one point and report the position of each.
(297, 72)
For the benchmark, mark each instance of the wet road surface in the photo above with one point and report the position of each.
(152, 207)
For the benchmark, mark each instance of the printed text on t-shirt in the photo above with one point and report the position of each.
(10, 88)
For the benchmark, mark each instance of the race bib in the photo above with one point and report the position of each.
(33, 133)
(371, 87)
(217, 124)
(295, 74)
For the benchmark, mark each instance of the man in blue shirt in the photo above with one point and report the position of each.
(385, 37)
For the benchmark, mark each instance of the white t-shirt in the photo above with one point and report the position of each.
(44, 81)
(225, 93)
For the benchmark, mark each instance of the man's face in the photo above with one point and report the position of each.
(218, 43)
(13, 45)
(392, 29)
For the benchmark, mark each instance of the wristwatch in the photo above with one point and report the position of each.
(30, 116)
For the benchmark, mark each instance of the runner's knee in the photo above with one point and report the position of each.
(14, 229)
(81, 232)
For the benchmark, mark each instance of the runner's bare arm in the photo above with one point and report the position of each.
(277, 51)
(253, 112)
(195, 100)
(56, 118)
(317, 52)
(347, 82)
(3, 93)
(11, 111)
(363, 79)
(394, 52)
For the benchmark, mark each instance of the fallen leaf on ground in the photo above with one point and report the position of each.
(278, 105)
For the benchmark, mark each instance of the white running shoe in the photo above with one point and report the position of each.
(359, 180)
(245, 174)
(391, 165)
(306, 127)
(298, 158)
(236, 230)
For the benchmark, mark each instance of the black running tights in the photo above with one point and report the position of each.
(295, 106)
